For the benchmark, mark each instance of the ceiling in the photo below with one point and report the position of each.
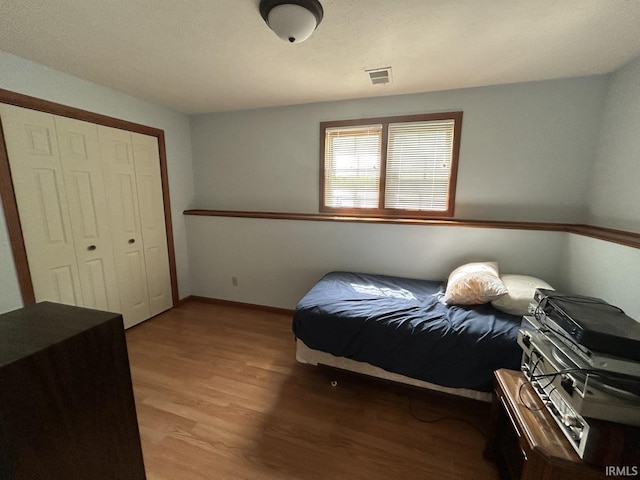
(200, 56)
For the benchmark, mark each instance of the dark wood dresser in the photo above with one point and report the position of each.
(525, 442)
(66, 403)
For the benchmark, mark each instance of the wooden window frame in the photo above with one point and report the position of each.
(381, 211)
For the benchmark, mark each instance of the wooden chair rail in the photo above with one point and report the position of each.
(629, 239)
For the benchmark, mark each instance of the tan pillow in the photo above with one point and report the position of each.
(521, 290)
(473, 284)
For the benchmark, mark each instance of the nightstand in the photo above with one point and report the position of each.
(525, 442)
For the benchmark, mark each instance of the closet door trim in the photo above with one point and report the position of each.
(9, 198)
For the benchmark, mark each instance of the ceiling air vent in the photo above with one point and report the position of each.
(380, 76)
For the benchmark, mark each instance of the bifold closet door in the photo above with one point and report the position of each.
(154, 234)
(131, 168)
(57, 176)
(36, 171)
(91, 208)
(84, 184)
(124, 221)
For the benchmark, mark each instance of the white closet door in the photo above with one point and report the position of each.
(124, 221)
(81, 166)
(154, 235)
(36, 171)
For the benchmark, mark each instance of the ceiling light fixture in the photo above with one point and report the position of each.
(292, 20)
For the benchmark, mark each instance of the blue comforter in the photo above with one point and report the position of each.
(402, 326)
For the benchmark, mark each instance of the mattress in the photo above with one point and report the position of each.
(402, 326)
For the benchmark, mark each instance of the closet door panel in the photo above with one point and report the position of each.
(97, 287)
(154, 236)
(124, 221)
(128, 224)
(136, 272)
(63, 283)
(36, 171)
(81, 164)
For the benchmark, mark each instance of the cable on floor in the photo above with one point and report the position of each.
(440, 419)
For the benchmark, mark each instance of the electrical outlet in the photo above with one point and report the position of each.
(234, 281)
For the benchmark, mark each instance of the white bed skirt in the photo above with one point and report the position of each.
(310, 356)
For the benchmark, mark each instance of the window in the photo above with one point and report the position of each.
(392, 166)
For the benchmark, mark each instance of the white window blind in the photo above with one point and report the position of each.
(352, 166)
(418, 166)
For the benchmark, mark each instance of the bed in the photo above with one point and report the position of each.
(400, 329)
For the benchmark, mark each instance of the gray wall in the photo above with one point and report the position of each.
(592, 266)
(526, 150)
(277, 261)
(614, 193)
(602, 269)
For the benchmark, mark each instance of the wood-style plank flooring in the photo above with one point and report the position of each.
(219, 395)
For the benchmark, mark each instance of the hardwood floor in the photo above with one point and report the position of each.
(219, 395)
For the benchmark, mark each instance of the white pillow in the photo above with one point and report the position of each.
(521, 290)
(473, 284)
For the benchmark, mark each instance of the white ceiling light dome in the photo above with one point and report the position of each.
(292, 20)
